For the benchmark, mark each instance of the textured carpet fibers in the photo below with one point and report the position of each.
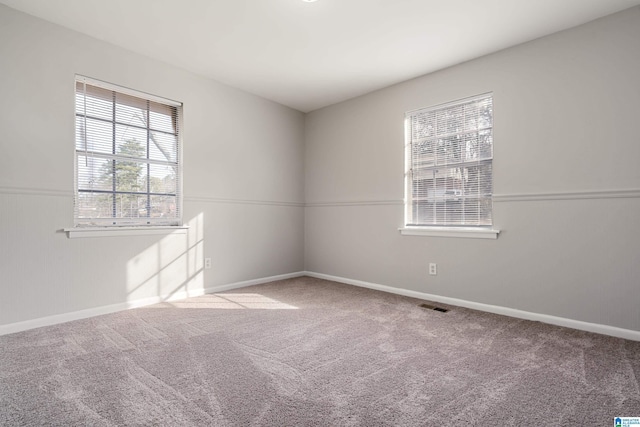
(309, 352)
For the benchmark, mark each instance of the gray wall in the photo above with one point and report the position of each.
(243, 181)
(567, 181)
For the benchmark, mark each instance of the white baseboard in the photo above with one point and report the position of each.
(97, 311)
(512, 312)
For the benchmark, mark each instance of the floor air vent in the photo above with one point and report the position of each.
(433, 307)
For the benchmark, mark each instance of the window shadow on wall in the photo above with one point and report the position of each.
(172, 268)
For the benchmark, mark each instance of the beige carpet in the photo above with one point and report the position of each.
(308, 352)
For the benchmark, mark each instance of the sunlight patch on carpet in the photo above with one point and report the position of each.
(236, 301)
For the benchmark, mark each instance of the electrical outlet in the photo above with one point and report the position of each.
(433, 268)
(207, 263)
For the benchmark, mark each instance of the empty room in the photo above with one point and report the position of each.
(320, 212)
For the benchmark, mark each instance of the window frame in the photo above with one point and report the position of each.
(482, 231)
(93, 227)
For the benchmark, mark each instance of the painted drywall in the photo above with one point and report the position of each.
(243, 181)
(566, 181)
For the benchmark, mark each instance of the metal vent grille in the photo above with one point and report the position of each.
(434, 308)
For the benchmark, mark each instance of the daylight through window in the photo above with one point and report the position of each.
(127, 149)
(449, 153)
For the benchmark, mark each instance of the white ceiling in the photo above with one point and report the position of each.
(309, 55)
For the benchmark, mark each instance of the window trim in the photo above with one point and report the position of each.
(443, 231)
(435, 230)
(131, 226)
(127, 91)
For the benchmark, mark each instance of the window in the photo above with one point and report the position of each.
(128, 168)
(449, 152)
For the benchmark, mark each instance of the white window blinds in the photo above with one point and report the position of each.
(449, 153)
(127, 149)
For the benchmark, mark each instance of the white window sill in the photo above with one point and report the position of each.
(469, 233)
(80, 232)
